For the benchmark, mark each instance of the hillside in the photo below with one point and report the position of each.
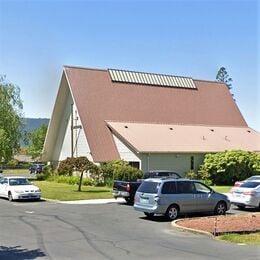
(33, 123)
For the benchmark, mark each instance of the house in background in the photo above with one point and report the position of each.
(153, 121)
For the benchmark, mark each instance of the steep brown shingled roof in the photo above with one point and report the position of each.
(99, 99)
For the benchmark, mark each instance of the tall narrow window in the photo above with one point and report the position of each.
(192, 163)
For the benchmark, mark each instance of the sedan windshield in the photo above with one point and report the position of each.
(18, 181)
(250, 184)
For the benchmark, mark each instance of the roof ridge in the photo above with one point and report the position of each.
(210, 81)
(83, 68)
(137, 71)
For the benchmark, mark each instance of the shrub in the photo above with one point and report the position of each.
(12, 163)
(227, 167)
(47, 171)
(191, 175)
(120, 170)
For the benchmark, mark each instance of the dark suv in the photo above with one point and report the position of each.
(172, 197)
(36, 168)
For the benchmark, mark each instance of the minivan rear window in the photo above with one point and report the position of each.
(149, 187)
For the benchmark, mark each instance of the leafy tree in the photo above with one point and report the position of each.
(80, 164)
(36, 138)
(10, 119)
(229, 166)
(222, 76)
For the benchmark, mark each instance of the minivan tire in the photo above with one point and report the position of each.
(221, 208)
(172, 212)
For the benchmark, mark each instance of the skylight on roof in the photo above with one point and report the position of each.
(151, 79)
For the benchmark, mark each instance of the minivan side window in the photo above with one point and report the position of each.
(169, 188)
(185, 187)
(201, 188)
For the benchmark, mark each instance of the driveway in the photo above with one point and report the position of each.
(48, 230)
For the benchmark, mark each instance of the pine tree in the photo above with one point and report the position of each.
(222, 76)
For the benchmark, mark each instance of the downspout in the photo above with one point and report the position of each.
(148, 162)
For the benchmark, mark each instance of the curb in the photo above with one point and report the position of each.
(197, 231)
(82, 202)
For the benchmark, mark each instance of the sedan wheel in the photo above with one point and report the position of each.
(10, 197)
(172, 212)
(221, 208)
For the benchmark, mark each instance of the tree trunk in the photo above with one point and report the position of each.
(80, 180)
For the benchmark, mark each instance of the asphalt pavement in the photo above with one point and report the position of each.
(114, 230)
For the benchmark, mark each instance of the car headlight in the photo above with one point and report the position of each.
(18, 191)
(39, 190)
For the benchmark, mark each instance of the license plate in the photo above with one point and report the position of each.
(144, 201)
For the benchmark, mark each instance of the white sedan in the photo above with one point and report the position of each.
(15, 188)
(247, 194)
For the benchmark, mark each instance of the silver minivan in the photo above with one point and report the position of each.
(172, 197)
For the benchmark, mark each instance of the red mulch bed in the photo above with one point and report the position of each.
(224, 224)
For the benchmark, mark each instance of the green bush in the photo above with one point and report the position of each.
(12, 163)
(227, 167)
(191, 175)
(119, 170)
(47, 171)
(200, 175)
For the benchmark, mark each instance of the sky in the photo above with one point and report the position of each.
(181, 38)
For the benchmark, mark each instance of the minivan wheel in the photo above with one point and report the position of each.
(221, 208)
(172, 212)
(148, 215)
(10, 197)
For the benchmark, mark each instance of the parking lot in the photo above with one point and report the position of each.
(48, 230)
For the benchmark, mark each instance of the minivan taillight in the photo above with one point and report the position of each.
(156, 199)
(128, 187)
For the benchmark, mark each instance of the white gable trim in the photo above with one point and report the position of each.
(124, 151)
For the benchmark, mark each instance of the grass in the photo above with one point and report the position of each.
(221, 189)
(65, 192)
(20, 172)
(249, 239)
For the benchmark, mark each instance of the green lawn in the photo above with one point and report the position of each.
(222, 189)
(65, 192)
(20, 172)
(249, 239)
